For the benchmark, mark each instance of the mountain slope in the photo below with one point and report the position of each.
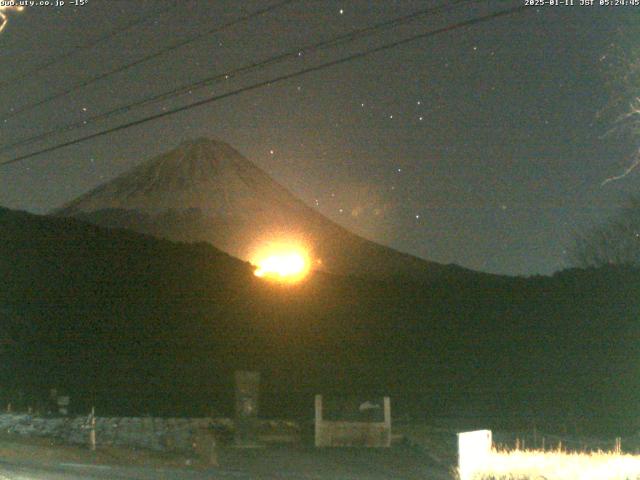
(132, 324)
(205, 190)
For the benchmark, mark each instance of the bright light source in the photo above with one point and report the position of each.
(282, 265)
(3, 16)
(474, 448)
(282, 262)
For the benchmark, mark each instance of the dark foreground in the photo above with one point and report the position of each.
(31, 462)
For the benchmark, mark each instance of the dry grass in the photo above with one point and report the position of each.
(559, 465)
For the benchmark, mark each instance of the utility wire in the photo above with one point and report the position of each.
(349, 58)
(187, 88)
(146, 58)
(87, 46)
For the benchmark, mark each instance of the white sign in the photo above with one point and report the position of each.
(474, 449)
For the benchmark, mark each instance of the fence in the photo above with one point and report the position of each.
(349, 433)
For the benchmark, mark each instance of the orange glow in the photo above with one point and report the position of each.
(282, 262)
(3, 16)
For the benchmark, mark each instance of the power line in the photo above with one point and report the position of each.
(145, 59)
(269, 82)
(338, 40)
(87, 46)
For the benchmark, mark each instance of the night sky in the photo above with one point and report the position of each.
(483, 146)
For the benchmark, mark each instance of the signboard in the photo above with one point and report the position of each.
(474, 449)
(247, 389)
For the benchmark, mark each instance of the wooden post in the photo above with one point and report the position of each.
(318, 430)
(618, 447)
(92, 431)
(387, 420)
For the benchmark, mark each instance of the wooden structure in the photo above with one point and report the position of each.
(339, 433)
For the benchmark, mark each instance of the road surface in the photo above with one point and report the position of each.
(260, 464)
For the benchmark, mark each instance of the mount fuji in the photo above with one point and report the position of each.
(205, 190)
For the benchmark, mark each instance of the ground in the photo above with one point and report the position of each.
(39, 459)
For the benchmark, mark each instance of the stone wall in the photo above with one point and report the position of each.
(160, 434)
(153, 433)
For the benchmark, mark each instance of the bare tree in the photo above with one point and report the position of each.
(615, 242)
(629, 125)
(621, 80)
